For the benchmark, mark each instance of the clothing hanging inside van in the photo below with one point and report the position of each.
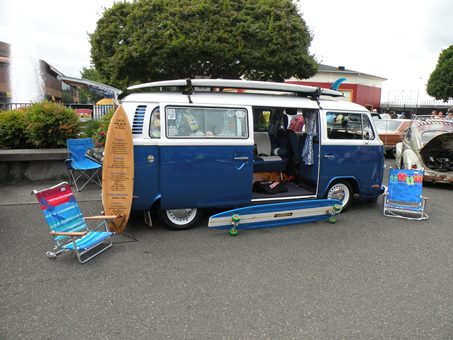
(310, 126)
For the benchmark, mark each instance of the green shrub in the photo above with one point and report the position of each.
(101, 133)
(13, 134)
(49, 125)
(90, 128)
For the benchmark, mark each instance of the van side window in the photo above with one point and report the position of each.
(154, 128)
(262, 120)
(368, 132)
(343, 125)
(206, 122)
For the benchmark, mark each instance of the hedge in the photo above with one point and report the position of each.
(48, 125)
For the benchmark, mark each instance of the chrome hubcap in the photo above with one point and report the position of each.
(339, 192)
(181, 216)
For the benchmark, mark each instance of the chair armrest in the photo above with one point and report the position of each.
(102, 217)
(68, 163)
(68, 233)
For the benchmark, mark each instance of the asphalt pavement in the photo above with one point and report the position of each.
(367, 276)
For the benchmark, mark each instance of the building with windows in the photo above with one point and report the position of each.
(4, 71)
(54, 89)
(358, 87)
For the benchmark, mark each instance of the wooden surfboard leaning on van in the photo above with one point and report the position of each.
(118, 171)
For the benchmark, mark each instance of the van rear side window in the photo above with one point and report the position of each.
(206, 122)
(343, 125)
(155, 123)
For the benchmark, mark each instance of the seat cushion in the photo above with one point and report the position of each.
(269, 163)
(270, 157)
(90, 240)
(263, 143)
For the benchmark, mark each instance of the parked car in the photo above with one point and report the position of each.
(391, 132)
(375, 115)
(428, 145)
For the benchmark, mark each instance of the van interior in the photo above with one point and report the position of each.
(279, 168)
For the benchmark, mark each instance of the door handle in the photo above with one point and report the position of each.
(241, 158)
(329, 156)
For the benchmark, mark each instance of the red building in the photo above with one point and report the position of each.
(358, 87)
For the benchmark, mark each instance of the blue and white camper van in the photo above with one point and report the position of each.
(207, 143)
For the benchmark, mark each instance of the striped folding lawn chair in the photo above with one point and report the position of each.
(68, 227)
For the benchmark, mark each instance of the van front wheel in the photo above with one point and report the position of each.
(179, 219)
(342, 192)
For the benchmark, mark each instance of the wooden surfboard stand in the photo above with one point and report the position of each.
(118, 171)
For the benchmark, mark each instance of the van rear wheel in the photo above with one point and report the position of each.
(179, 219)
(342, 192)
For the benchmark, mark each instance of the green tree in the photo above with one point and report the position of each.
(91, 74)
(149, 40)
(440, 83)
(87, 96)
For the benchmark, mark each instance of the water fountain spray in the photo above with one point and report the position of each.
(26, 80)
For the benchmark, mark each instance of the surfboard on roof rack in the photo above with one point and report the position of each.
(189, 84)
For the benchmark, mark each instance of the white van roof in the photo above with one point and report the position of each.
(243, 99)
(269, 94)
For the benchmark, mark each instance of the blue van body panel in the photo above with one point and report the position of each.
(362, 163)
(205, 176)
(146, 177)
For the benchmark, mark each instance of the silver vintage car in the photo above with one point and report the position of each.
(428, 145)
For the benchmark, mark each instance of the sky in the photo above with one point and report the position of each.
(395, 39)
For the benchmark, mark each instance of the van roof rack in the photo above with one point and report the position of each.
(187, 86)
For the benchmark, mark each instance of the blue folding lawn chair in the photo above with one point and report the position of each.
(403, 197)
(68, 227)
(82, 170)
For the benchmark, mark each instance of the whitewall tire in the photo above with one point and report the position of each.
(342, 192)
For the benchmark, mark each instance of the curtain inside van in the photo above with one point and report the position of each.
(310, 118)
